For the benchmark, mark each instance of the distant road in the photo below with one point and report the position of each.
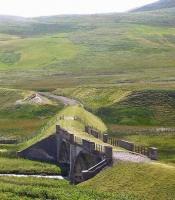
(64, 100)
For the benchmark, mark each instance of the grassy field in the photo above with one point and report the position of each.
(21, 121)
(143, 181)
(94, 97)
(128, 182)
(30, 53)
(22, 166)
(32, 188)
(117, 49)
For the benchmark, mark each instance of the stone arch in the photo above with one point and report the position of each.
(83, 162)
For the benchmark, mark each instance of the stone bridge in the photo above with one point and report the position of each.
(79, 159)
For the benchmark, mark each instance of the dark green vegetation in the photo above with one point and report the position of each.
(142, 108)
(144, 181)
(9, 57)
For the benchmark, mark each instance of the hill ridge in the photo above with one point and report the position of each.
(161, 4)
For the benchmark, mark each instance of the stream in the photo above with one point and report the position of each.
(58, 177)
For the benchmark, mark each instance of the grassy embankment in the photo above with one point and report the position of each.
(22, 166)
(74, 126)
(143, 181)
(32, 188)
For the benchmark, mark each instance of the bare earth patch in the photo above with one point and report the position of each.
(34, 98)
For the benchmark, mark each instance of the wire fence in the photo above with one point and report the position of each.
(55, 120)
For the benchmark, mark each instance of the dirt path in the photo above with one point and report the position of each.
(130, 157)
(35, 176)
(64, 100)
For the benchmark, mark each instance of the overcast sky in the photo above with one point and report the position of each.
(31, 8)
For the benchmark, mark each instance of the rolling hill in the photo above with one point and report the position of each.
(161, 4)
(63, 51)
(121, 67)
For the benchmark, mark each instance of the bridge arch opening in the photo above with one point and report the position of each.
(83, 161)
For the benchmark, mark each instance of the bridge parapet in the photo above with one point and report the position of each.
(150, 152)
(86, 144)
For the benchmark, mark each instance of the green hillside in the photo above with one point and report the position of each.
(94, 97)
(21, 121)
(143, 108)
(31, 53)
(32, 188)
(161, 4)
(141, 181)
(126, 105)
(63, 51)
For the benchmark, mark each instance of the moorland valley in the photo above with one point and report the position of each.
(113, 72)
